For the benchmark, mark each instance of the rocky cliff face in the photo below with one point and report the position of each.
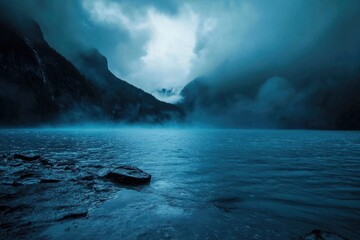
(38, 85)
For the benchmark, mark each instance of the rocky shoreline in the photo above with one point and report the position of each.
(37, 193)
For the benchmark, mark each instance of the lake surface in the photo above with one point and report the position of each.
(211, 184)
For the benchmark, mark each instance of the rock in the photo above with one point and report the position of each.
(26, 158)
(16, 164)
(94, 166)
(128, 175)
(16, 184)
(27, 175)
(4, 208)
(49, 180)
(323, 235)
(100, 188)
(6, 225)
(20, 207)
(66, 163)
(227, 204)
(72, 168)
(88, 178)
(75, 215)
(45, 162)
(29, 181)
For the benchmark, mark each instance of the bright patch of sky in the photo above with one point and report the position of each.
(169, 50)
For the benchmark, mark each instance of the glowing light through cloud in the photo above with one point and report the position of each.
(168, 54)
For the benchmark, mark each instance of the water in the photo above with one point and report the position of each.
(212, 184)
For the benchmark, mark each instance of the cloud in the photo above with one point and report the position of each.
(168, 50)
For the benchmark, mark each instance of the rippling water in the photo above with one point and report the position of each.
(212, 184)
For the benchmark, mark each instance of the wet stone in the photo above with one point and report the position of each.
(46, 162)
(128, 175)
(4, 208)
(66, 163)
(75, 215)
(88, 178)
(16, 184)
(229, 204)
(28, 181)
(49, 180)
(26, 158)
(27, 175)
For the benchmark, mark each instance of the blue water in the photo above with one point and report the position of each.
(212, 184)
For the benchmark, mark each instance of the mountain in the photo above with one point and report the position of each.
(38, 85)
(323, 101)
(121, 99)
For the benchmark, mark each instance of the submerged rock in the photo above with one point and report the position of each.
(323, 235)
(46, 162)
(128, 175)
(28, 175)
(88, 178)
(26, 158)
(228, 204)
(49, 180)
(75, 215)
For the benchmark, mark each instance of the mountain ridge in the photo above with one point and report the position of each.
(40, 86)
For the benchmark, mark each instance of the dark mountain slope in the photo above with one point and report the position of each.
(38, 85)
(123, 100)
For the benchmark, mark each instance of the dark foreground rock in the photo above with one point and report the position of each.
(36, 193)
(49, 180)
(323, 235)
(26, 158)
(128, 175)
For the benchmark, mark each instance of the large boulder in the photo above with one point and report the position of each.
(128, 175)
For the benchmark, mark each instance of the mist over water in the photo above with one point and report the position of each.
(208, 183)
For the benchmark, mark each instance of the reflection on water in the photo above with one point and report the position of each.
(212, 184)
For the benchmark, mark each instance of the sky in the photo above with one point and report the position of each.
(161, 45)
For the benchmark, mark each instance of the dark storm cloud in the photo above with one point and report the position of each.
(287, 64)
(259, 35)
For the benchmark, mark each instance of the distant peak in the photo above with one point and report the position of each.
(94, 58)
